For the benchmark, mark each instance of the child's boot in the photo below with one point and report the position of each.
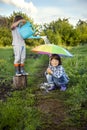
(63, 88)
(51, 88)
(17, 71)
(22, 70)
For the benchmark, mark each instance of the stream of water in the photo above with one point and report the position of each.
(46, 40)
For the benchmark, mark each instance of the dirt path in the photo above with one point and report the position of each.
(53, 110)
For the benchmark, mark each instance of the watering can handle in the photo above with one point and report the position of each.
(21, 24)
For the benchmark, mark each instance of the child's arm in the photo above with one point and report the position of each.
(49, 71)
(57, 73)
(15, 24)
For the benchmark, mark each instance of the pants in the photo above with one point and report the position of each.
(56, 81)
(19, 54)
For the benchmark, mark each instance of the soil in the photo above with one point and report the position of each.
(53, 111)
(5, 89)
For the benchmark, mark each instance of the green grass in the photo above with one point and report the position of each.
(77, 89)
(18, 109)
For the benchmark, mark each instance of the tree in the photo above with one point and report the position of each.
(82, 29)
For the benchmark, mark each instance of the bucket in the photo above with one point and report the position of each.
(26, 30)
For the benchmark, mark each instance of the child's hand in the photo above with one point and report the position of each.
(22, 20)
(49, 71)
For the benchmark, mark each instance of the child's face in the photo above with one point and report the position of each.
(54, 62)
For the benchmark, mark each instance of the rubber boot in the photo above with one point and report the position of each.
(17, 71)
(22, 71)
(63, 88)
(51, 88)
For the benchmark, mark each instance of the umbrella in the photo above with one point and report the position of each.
(52, 49)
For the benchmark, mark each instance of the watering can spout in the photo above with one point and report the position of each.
(38, 37)
(34, 37)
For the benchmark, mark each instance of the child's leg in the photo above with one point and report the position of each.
(17, 53)
(23, 56)
(17, 60)
(50, 81)
(60, 82)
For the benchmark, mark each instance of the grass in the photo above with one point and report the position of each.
(17, 108)
(33, 109)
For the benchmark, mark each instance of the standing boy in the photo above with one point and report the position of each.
(18, 46)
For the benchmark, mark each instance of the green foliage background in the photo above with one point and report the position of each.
(59, 32)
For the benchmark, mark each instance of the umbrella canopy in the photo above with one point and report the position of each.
(52, 49)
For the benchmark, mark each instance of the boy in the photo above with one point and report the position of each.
(18, 46)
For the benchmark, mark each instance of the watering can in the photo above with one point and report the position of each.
(26, 31)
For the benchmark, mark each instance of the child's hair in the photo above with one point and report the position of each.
(17, 18)
(57, 57)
